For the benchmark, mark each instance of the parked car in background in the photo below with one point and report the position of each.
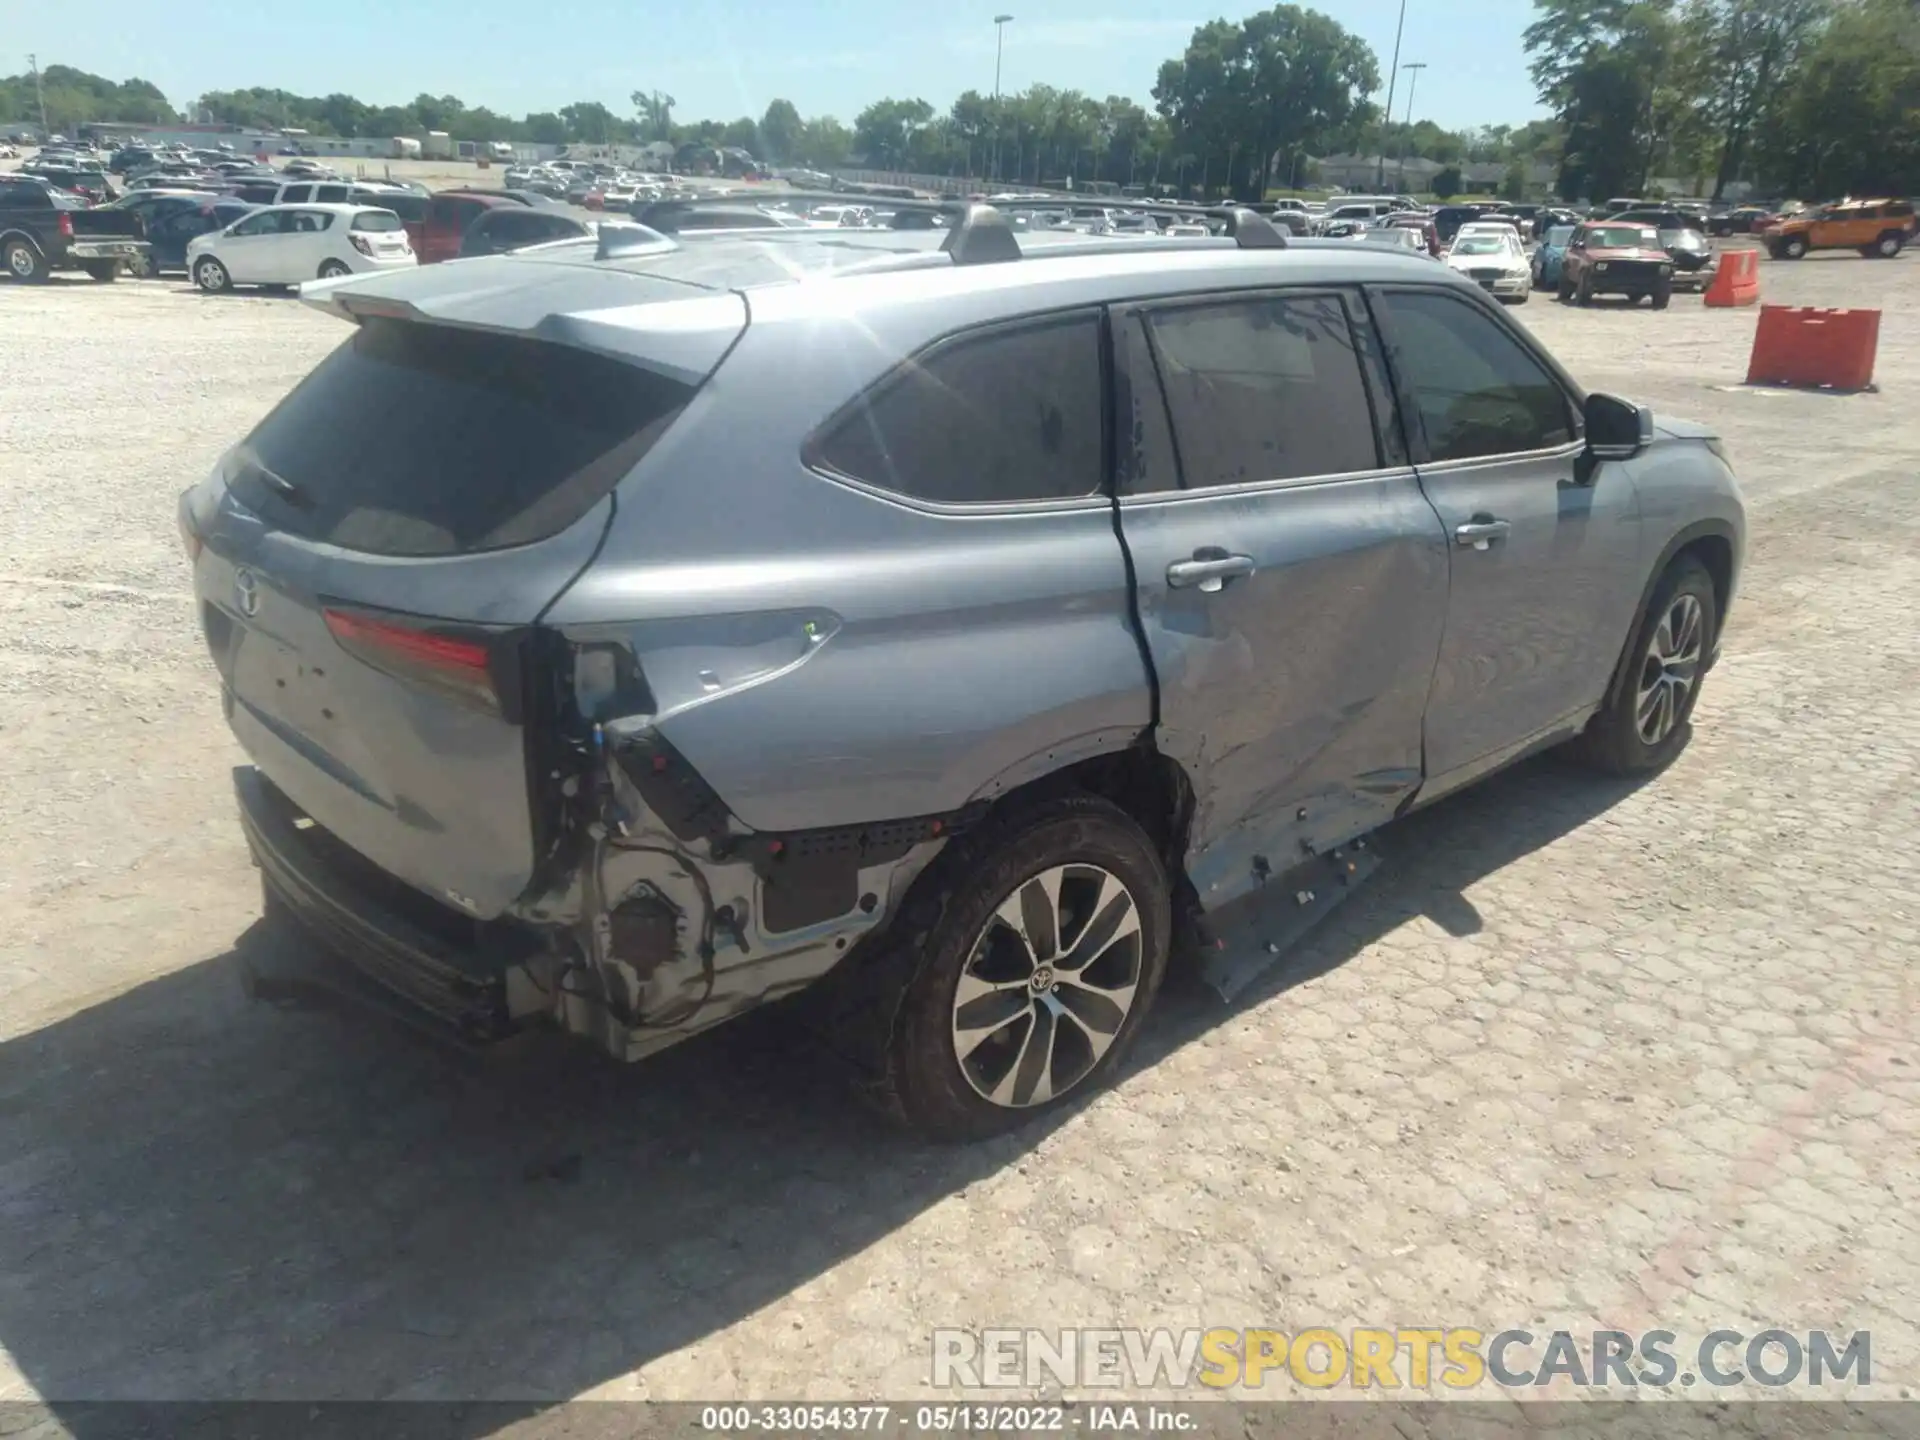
(1401, 237)
(1551, 216)
(1878, 229)
(44, 228)
(1683, 238)
(1607, 257)
(506, 228)
(1549, 255)
(284, 245)
(1422, 223)
(563, 705)
(1448, 219)
(171, 231)
(1740, 220)
(90, 185)
(450, 214)
(1492, 257)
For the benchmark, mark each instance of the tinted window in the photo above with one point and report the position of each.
(511, 227)
(1476, 390)
(295, 194)
(1005, 416)
(376, 220)
(1144, 453)
(407, 207)
(32, 195)
(1264, 389)
(428, 440)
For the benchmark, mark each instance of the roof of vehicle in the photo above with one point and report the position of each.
(332, 207)
(832, 272)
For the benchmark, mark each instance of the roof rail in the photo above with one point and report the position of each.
(1253, 231)
(981, 236)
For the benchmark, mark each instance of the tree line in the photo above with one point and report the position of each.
(1806, 97)
(1814, 97)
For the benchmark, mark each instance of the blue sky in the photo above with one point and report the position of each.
(725, 58)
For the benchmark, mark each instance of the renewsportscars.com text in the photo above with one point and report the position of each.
(1401, 1358)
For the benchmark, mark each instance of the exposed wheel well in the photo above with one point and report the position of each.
(1716, 553)
(1151, 788)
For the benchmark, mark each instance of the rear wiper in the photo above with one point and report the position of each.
(280, 485)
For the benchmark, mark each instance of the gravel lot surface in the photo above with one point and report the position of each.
(1583, 1055)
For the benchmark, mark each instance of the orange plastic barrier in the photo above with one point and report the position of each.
(1814, 347)
(1737, 281)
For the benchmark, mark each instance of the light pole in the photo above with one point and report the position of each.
(33, 61)
(1393, 74)
(999, 43)
(1416, 66)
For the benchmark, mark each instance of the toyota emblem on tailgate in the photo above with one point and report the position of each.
(246, 592)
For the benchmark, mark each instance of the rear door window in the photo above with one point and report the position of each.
(429, 440)
(1004, 415)
(1264, 388)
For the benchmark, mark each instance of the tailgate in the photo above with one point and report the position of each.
(105, 224)
(373, 559)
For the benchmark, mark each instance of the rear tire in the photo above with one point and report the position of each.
(1639, 731)
(333, 270)
(1101, 868)
(211, 276)
(104, 272)
(24, 262)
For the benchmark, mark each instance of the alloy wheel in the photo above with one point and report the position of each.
(1048, 985)
(1669, 669)
(20, 261)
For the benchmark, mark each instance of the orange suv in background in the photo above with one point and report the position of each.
(1878, 229)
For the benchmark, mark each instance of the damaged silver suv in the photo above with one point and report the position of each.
(950, 621)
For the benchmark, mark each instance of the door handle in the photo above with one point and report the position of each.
(1209, 570)
(1481, 531)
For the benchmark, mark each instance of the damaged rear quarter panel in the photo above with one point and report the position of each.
(838, 670)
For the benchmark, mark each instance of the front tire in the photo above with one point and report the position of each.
(1662, 296)
(1649, 719)
(1889, 245)
(211, 276)
(1794, 249)
(1584, 294)
(1039, 943)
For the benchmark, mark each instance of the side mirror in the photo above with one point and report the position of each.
(1616, 429)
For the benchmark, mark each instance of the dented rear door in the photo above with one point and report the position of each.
(1291, 578)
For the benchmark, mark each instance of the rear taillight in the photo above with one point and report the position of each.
(455, 662)
(66, 226)
(362, 244)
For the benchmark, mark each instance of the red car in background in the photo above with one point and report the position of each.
(1413, 220)
(436, 224)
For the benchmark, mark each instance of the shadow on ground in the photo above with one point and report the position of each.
(201, 1200)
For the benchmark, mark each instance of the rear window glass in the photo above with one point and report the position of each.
(426, 440)
(377, 220)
